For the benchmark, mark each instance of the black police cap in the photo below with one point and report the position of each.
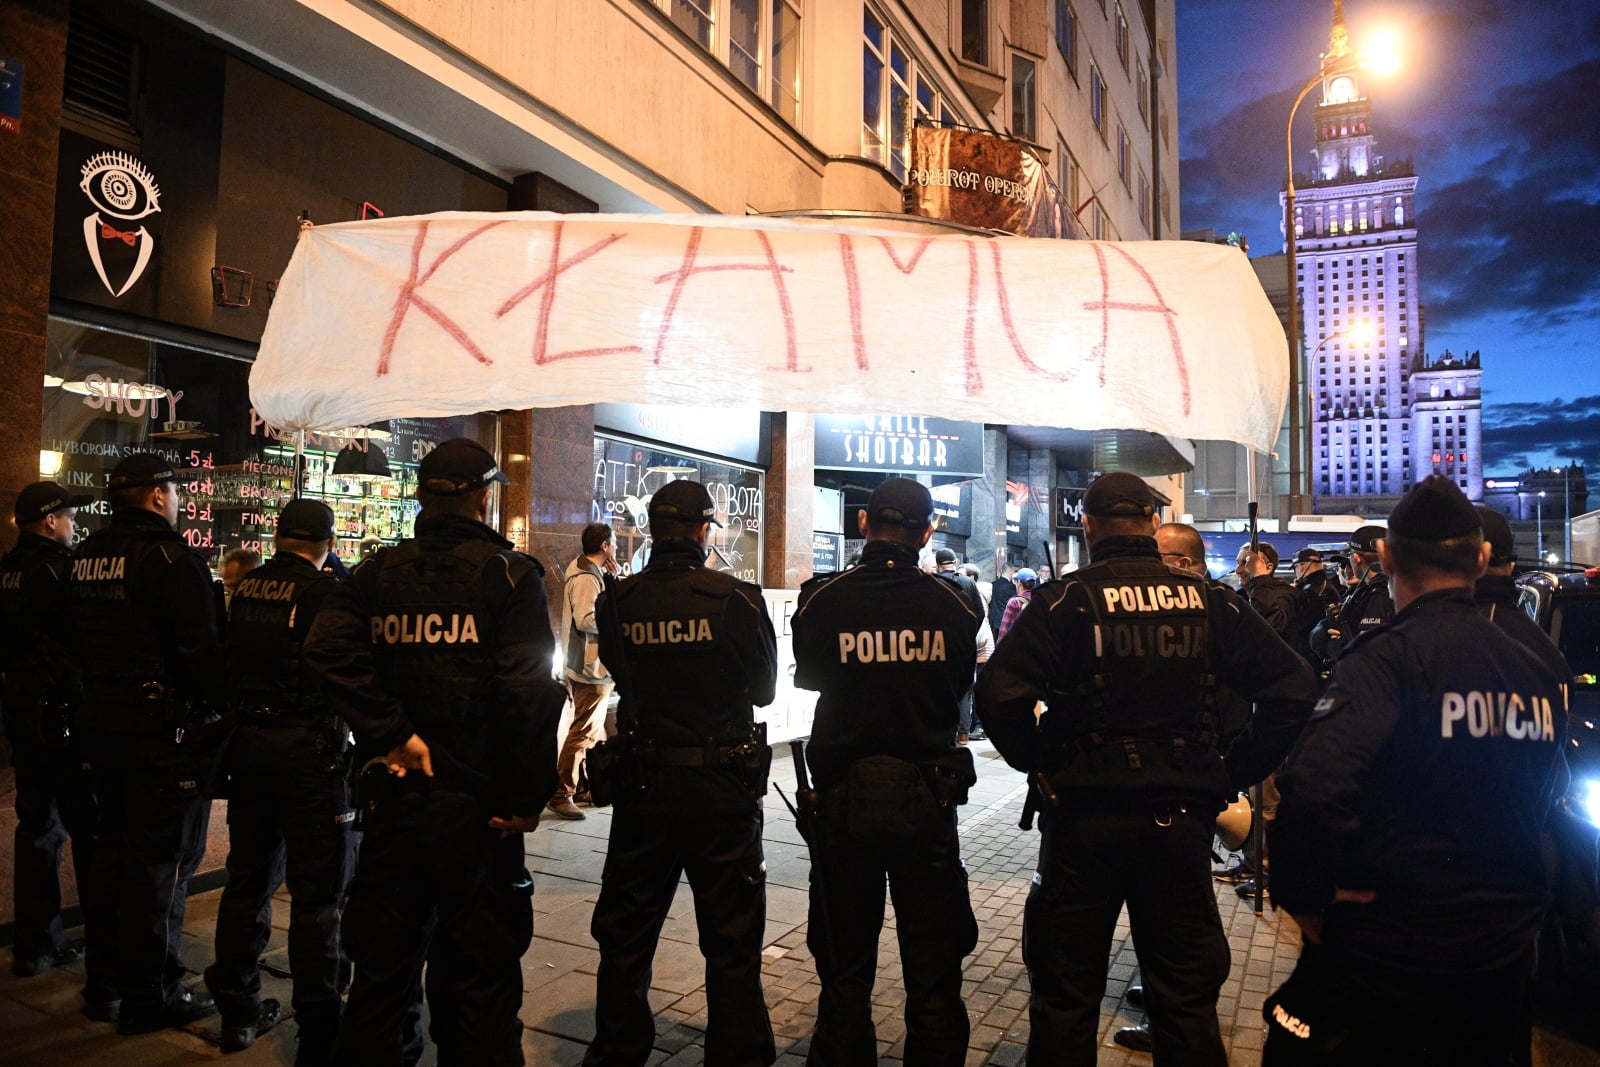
(684, 499)
(41, 498)
(1497, 531)
(458, 466)
(1366, 539)
(1117, 494)
(142, 469)
(1435, 509)
(306, 520)
(900, 502)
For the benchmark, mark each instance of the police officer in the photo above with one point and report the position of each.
(438, 654)
(1367, 604)
(55, 797)
(1408, 840)
(693, 654)
(144, 605)
(1496, 593)
(289, 811)
(891, 651)
(1128, 653)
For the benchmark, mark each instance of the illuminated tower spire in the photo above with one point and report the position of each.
(1338, 41)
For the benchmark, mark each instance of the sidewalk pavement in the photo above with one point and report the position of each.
(40, 1023)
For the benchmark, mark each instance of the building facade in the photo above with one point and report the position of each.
(1383, 415)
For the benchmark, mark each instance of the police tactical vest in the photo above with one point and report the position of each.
(432, 632)
(1150, 686)
(672, 624)
(125, 634)
(265, 634)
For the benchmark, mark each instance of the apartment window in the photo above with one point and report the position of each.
(1122, 37)
(758, 40)
(1144, 198)
(694, 17)
(1067, 34)
(1097, 99)
(1067, 177)
(1144, 94)
(975, 31)
(1024, 97)
(1123, 153)
(891, 78)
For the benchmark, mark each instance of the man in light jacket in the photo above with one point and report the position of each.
(587, 678)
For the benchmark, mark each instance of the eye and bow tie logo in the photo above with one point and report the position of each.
(118, 186)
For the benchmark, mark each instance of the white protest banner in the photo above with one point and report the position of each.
(460, 312)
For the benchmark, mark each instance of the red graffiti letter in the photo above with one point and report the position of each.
(852, 283)
(1011, 329)
(1105, 305)
(409, 296)
(547, 301)
(681, 278)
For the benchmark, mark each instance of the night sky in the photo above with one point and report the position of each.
(1498, 104)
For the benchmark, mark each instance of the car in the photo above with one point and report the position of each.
(1566, 605)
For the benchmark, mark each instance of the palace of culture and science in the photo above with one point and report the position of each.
(1383, 414)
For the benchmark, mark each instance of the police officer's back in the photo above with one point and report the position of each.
(890, 651)
(1366, 605)
(693, 653)
(289, 814)
(144, 604)
(39, 698)
(1408, 844)
(1127, 653)
(437, 652)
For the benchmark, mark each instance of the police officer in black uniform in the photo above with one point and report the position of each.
(145, 607)
(1408, 840)
(55, 797)
(1366, 606)
(289, 811)
(891, 651)
(693, 653)
(1127, 654)
(438, 653)
(1496, 593)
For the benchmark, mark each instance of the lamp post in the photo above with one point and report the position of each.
(1538, 527)
(1566, 513)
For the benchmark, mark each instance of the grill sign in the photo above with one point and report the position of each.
(910, 443)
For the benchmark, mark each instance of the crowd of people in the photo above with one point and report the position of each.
(385, 739)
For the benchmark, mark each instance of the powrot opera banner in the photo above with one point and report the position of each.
(993, 183)
(460, 312)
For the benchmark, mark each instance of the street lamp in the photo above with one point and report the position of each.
(1381, 58)
(1538, 527)
(1566, 512)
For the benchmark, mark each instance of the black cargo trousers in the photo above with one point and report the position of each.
(435, 885)
(650, 849)
(290, 821)
(908, 843)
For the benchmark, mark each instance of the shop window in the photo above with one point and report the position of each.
(109, 394)
(628, 473)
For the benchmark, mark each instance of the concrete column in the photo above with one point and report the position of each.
(787, 516)
(549, 457)
(35, 33)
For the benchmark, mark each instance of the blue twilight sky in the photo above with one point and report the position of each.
(1498, 104)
